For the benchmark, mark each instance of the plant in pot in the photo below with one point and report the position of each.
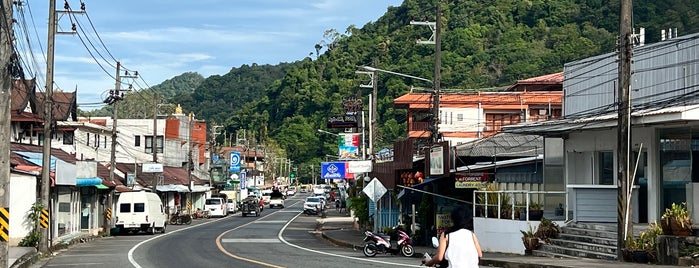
(531, 242)
(535, 211)
(488, 201)
(641, 249)
(547, 229)
(676, 220)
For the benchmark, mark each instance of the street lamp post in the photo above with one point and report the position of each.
(371, 71)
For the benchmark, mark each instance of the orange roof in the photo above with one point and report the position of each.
(424, 100)
(556, 78)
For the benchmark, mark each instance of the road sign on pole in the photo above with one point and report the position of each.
(375, 190)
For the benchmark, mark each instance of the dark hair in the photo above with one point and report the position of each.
(461, 218)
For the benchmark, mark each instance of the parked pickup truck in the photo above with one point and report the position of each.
(276, 199)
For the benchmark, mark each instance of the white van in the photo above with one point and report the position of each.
(140, 211)
(217, 207)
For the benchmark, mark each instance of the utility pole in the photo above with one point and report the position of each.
(5, 129)
(155, 137)
(190, 164)
(114, 97)
(437, 72)
(48, 104)
(624, 216)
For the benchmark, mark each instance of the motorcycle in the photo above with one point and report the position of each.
(379, 244)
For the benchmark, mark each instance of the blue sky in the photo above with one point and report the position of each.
(161, 39)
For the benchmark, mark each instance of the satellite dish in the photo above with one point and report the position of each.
(367, 179)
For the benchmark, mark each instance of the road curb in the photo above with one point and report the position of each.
(340, 242)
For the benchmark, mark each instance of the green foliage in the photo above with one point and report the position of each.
(529, 232)
(547, 229)
(647, 240)
(32, 239)
(679, 213)
(360, 205)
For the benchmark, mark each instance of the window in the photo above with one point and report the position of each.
(105, 141)
(460, 117)
(158, 144)
(125, 207)
(139, 207)
(68, 138)
(97, 140)
(88, 139)
(137, 141)
(494, 122)
(606, 168)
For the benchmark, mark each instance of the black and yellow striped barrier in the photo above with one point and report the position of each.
(44, 218)
(189, 204)
(5, 224)
(108, 215)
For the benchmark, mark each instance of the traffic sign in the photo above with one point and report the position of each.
(5, 224)
(44, 218)
(375, 190)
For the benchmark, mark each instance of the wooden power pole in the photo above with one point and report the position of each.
(48, 121)
(5, 129)
(624, 216)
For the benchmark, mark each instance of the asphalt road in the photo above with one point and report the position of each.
(278, 238)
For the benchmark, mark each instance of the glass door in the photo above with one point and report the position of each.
(675, 165)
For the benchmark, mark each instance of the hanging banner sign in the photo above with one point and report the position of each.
(436, 161)
(358, 166)
(235, 162)
(342, 121)
(333, 170)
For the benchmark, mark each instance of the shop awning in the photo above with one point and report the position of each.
(82, 182)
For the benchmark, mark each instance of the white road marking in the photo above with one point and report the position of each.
(279, 235)
(250, 240)
(270, 222)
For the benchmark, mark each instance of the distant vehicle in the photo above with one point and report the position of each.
(266, 194)
(276, 199)
(216, 206)
(232, 206)
(140, 211)
(291, 191)
(250, 205)
(312, 205)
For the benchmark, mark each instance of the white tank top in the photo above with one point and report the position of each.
(461, 250)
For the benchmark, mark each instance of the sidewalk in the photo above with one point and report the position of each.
(338, 229)
(22, 256)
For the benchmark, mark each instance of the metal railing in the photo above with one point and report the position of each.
(509, 204)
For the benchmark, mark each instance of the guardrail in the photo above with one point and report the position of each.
(510, 204)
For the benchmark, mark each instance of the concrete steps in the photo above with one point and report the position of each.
(583, 240)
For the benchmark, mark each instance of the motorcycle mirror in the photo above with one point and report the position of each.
(435, 242)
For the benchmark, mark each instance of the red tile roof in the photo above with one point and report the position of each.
(424, 100)
(171, 175)
(549, 82)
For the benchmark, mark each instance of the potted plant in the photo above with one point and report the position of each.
(641, 249)
(535, 211)
(547, 229)
(531, 242)
(676, 220)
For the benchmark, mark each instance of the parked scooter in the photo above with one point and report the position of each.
(376, 244)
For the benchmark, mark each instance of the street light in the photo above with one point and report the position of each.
(328, 132)
(371, 71)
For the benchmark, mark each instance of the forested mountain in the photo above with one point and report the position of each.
(485, 43)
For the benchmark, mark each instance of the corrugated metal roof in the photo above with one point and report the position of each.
(502, 144)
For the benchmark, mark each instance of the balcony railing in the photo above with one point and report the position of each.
(509, 204)
(419, 126)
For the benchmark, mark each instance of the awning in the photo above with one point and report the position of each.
(172, 188)
(82, 182)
